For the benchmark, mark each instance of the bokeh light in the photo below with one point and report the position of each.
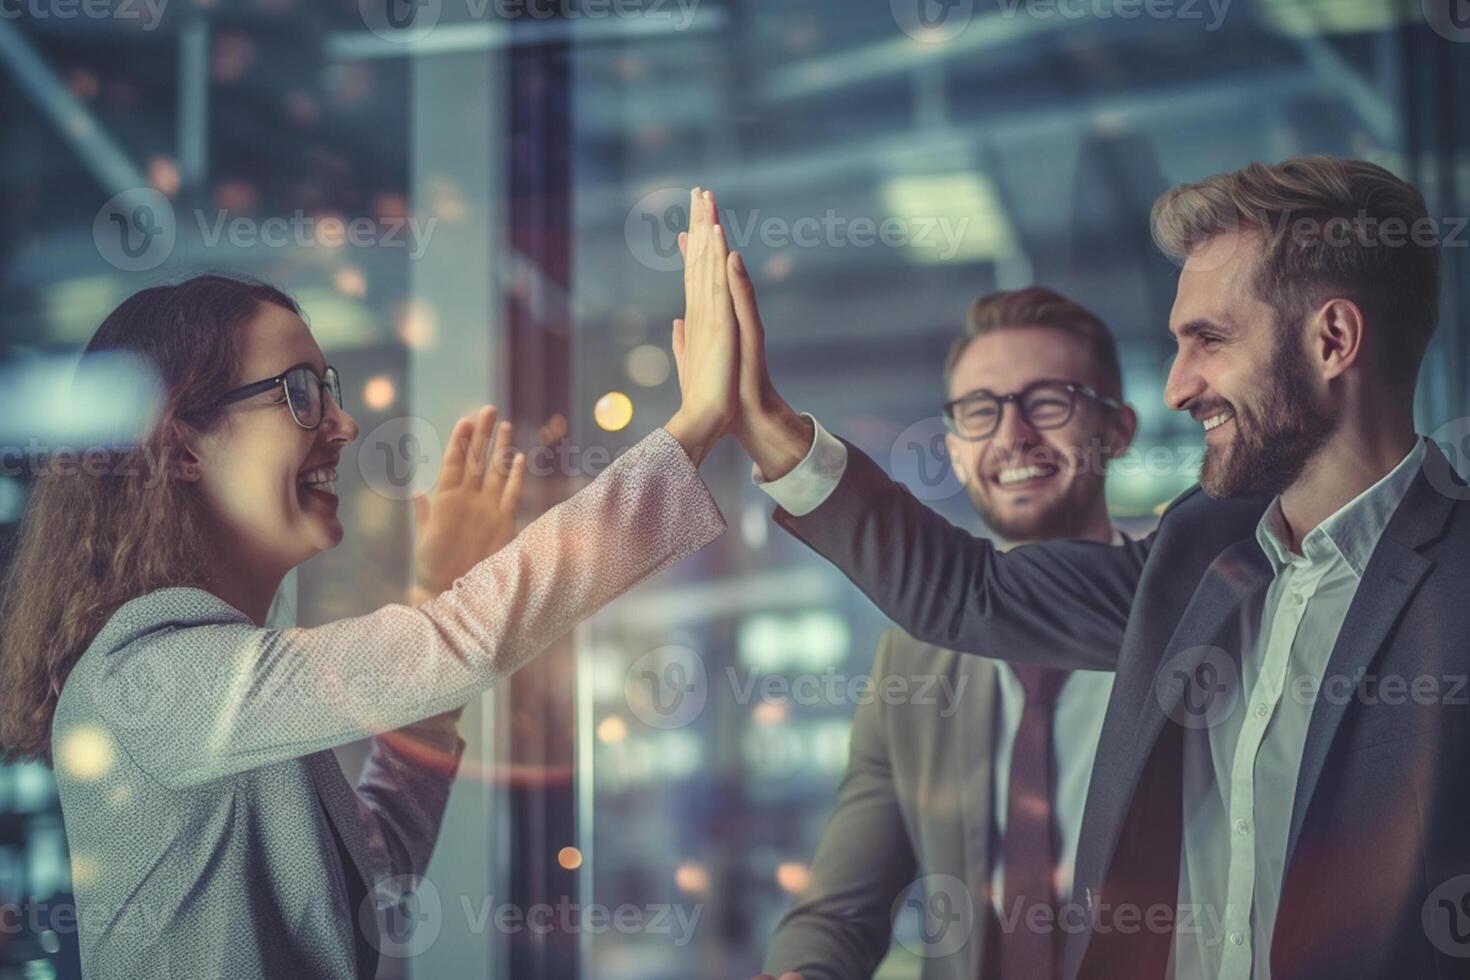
(85, 753)
(692, 877)
(379, 392)
(612, 729)
(613, 411)
(648, 365)
(793, 876)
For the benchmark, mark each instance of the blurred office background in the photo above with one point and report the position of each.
(477, 201)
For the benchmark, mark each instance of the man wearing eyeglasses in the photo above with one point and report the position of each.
(982, 798)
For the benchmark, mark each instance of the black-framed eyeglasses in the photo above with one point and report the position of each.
(1046, 404)
(305, 392)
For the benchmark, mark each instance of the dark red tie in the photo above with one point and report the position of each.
(1030, 858)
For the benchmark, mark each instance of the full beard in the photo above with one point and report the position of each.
(1275, 440)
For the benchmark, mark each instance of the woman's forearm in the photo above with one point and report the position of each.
(256, 696)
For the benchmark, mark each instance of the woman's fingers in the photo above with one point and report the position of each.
(701, 254)
(502, 451)
(479, 441)
(717, 231)
(451, 470)
(719, 253)
(510, 497)
(679, 350)
(692, 237)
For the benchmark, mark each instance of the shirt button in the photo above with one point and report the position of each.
(1262, 710)
(1241, 827)
(1296, 599)
(1237, 938)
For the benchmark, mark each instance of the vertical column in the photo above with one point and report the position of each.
(456, 329)
(544, 717)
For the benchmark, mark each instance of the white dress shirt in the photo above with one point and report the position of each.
(1239, 774)
(1077, 714)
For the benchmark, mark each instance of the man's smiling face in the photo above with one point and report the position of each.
(1029, 484)
(1245, 377)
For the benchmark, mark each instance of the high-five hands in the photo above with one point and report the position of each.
(473, 512)
(706, 338)
(774, 435)
(784, 976)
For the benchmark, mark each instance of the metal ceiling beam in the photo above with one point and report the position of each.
(492, 35)
(104, 158)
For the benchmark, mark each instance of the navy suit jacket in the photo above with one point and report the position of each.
(1377, 876)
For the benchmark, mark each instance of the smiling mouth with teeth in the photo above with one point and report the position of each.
(1215, 421)
(1013, 475)
(321, 480)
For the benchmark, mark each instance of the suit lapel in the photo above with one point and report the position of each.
(1223, 615)
(1392, 575)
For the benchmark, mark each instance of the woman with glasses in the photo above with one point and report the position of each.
(212, 833)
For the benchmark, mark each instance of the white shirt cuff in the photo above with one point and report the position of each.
(813, 479)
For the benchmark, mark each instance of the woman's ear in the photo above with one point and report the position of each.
(184, 462)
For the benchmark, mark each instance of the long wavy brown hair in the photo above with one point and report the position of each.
(92, 537)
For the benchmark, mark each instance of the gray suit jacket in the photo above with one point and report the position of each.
(916, 795)
(202, 801)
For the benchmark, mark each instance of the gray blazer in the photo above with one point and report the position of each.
(193, 757)
(916, 795)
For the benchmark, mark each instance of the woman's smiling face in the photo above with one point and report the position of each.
(250, 468)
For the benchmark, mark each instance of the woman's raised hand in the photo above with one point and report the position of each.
(706, 338)
(473, 511)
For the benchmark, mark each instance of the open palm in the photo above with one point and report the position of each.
(473, 511)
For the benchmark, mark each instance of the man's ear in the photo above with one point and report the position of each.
(184, 461)
(952, 444)
(1336, 336)
(1122, 427)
